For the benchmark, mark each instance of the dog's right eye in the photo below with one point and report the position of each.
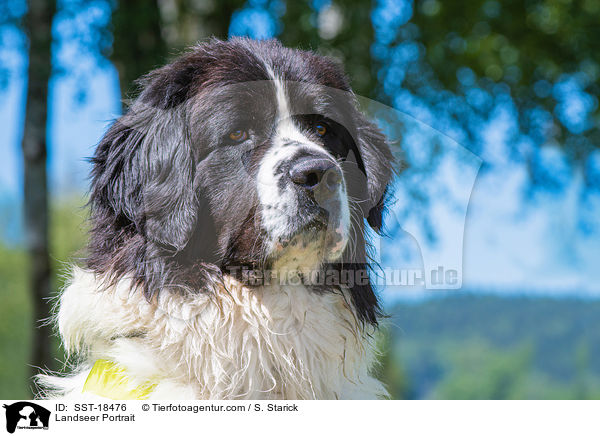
(321, 129)
(238, 135)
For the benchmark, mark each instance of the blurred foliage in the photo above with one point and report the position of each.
(147, 33)
(11, 39)
(67, 229)
(388, 369)
(137, 36)
(138, 46)
(81, 27)
(341, 29)
(540, 58)
(184, 22)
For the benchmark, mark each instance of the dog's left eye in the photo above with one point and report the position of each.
(238, 135)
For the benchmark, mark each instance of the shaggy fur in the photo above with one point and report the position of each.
(267, 343)
(178, 207)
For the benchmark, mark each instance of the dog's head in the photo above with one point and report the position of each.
(239, 153)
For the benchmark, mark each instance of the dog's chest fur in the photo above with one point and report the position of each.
(275, 342)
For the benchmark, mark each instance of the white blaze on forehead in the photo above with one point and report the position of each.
(283, 108)
(286, 129)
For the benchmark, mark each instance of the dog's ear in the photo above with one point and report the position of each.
(144, 173)
(378, 165)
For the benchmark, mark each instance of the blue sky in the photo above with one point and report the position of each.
(507, 242)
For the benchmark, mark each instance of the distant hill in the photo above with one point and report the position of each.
(478, 346)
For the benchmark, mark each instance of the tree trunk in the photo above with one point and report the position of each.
(38, 26)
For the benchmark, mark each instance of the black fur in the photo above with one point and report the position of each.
(173, 205)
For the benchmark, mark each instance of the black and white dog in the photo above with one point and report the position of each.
(227, 254)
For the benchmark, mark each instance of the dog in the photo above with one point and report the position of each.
(228, 250)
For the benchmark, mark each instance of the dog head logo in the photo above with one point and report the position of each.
(26, 415)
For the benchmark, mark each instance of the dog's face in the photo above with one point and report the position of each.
(239, 153)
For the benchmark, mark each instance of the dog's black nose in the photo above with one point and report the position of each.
(311, 172)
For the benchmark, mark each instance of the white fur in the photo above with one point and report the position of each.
(276, 342)
(274, 217)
